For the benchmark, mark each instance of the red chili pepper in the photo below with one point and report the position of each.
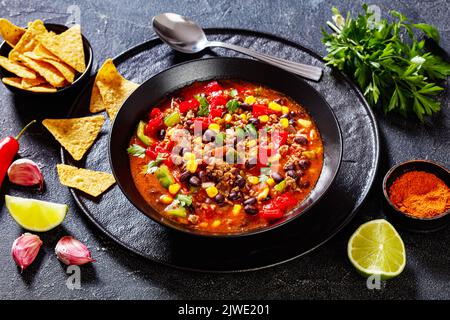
(9, 147)
(213, 87)
(187, 105)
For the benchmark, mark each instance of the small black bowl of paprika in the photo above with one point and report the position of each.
(417, 195)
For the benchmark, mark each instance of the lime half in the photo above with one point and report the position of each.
(377, 249)
(35, 215)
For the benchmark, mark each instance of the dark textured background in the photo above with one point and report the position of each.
(112, 27)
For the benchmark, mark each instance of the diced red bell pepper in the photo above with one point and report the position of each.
(279, 138)
(271, 214)
(154, 124)
(152, 154)
(260, 109)
(155, 112)
(187, 105)
(203, 121)
(213, 87)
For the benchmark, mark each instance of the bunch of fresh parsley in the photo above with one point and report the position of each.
(389, 63)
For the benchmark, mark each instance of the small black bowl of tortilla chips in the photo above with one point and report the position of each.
(43, 59)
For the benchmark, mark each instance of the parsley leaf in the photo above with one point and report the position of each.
(184, 200)
(233, 105)
(136, 150)
(204, 106)
(387, 61)
(152, 166)
(233, 93)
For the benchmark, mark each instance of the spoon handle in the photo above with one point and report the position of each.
(304, 70)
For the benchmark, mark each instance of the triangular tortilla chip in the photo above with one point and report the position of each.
(13, 81)
(88, 181)
(40, 51)
(42, 88)
(28, 83)
(17, 68)
(67, 71)
(76, 135)
(27, 42)
(68, 46)
(46, 70)
(10, 32)
(96, 104)
(113, 88)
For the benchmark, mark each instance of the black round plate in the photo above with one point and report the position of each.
(120, 220)
(138, 105)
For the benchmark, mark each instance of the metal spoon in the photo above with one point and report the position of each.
(187, 36)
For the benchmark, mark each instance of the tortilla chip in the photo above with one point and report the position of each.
(42, 88)
(91, 182)
(66, 71)
(76, 135)
(17, 68)
(27, 42)
(68, 46)
(28, 83)
(96, 104)
(113, 88)
(15, 82)
(10, 32)
(40, 51)
(46, 70)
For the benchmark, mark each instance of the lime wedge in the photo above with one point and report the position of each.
(35, 215)
(377, 249)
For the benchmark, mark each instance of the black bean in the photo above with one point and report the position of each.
(301, 140)
(250, 201)
(291, 122)
(251, 163)
(288, 167)
(252, 210)
(246, 106)
(202, 175)
(304, 164)
(293, 114)
(185, 176)
(219, 198)
(234, 195)
(280, 101)
(254, 121)
(285, 116)
(292, 174)
(209, 135)
(161, 134)
(277, 177)
(240, 182)
(183, 151)
(195, 181)
(189, 122)
(300, 172)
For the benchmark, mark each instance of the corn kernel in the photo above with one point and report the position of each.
(309, 154)
(284, 122)
(274, 106)
(284, 110)
(270, 182)
(212, 191)
(264, 118)
(228, 118)
(250, 100)
(166, 199)
(191, 165)
(243, 116)
(174, 188)
(253, 180)
(236, 209)
(263, 194)
(188, 156)
(215, 224)
(304, 123)
(252, 143)
(214, 127)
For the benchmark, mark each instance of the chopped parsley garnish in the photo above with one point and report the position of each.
(152, 166)
(184, 200)
(233, 105)
(233, 93)
(203, 110)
